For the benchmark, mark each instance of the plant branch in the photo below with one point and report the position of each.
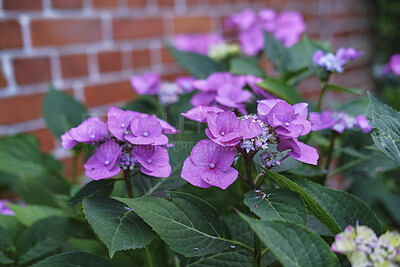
(265, 251)
(257, 251)
(128, 183)
(328, 162)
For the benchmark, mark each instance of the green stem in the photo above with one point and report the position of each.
(257, 251)
(148, 256)
(128, 183)
(328, 162)
(321, 97)
(265, 251)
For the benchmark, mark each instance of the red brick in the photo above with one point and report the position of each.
(166, 3)
(20, 108)
(128, 28)
(137, 3)
(110, 61)
(68, 166)
(107, 93)
(74, 66)
(46, 139)
(3, 80)
(32, 70)
(191, 24)
(105, 3)
(141, 58)
(166, 56)
(10, 34)
(55, 32)
(70, 4)
(22, 5)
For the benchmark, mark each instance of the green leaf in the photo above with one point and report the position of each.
(277, 204)
(116, 225)
(145, 104)
(277, 53)
(7, 248)
(74, 259)
(248, 65)
(11, 225)
(385, 122)
(102, 187)
(189, 225)
(338, 88)
(240, 229)
(397, 184)
(293, 244)
(311, 204)
(62, 112)
(21, 149)
(44, 237)
(281, 90)
(199, 66)
(233, 258)
(32, 213)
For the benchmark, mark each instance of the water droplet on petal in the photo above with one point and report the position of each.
(106, 162)
(286, 124)
(123, 125)
(149, 161)
(92, 136)
(222, 133)
(145, 134)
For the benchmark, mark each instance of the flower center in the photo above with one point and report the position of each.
(212, 165)
(92, 136)
(145, 134)
(286, 124)
(222, 133)
(106, 162)
(149, 161)
(123, 125)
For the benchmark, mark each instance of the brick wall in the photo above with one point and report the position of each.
(90, 48)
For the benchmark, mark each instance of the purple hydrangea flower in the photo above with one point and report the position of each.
(92, 129)
(290, 121)
(197, 43)
(289, 26)
(321, 121)
(102, 164)
(67, 141)
(252, 41)
(226, 129)
(210, 165)
(252, 82)
(338, 121)
(4, 209)
(167, 128)
(267, 19)
(200, 113)
(185, 83)
(147, 84)
(299, 150)
(335, 62)
(231, 95)
(395, 64)
(146, 130)
(363, 124)
(154, 160)
(244, 20)
(118, 121)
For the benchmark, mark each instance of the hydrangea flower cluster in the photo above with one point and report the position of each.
(335, 63)
(226, 90)
(393, 66)
(363, 248)
(128, 138)
(198, 43)
(277, 122)
(286, 26)
(4, 209)
(338, 121)
(168, 93)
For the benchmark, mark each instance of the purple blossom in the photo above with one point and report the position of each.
(200, 113)
(118, 121)
(267, 19)
(146, 130)
(321, 121)
(289, 26)
(210, 165)
(92, 129)
(244, 20)
(338, 121)
(154, 160)
(252, 41)
(335, 62)
(232, 95)
(67, 141)
(167, 128)
(147, 84)
(363, 124)
(226, 129)
(299, 150)
(395, 64)
(185, 83)
(197, 43)
(4, 209)
(102, 164)
(290, 121)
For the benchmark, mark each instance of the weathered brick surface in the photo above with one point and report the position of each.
(74, 66)
(32, 70)
(93, 46)
(57, 32)
(10, 34)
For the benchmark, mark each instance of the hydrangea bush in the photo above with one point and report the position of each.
(227, 166)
